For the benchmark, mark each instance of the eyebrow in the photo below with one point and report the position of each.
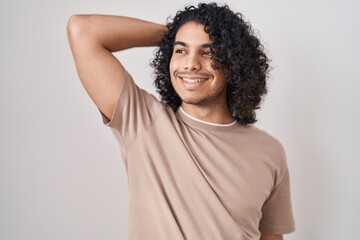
(205, 45)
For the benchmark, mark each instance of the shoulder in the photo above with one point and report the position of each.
(261, 136)
(266, 144)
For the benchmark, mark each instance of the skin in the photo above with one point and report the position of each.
(191, 61)
(93, 38)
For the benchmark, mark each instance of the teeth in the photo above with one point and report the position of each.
(188, 80)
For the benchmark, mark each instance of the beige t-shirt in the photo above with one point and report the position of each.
(193, 180)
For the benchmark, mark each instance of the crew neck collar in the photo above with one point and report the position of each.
(203, 124)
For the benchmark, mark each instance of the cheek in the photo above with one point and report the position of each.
(220, 80)
(173, 65)
(171, 70)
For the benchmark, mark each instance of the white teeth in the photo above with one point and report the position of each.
(188, 80)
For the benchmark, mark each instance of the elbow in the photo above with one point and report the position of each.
(76, 26)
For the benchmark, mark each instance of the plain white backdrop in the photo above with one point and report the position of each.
(61, 173)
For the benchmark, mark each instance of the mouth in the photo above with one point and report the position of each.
(194, 79)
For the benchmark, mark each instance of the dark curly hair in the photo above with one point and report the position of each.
(239, 54)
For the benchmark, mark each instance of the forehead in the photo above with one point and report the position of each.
(192, 33)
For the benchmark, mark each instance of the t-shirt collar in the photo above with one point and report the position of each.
(205, 123)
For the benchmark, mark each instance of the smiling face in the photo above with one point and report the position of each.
(192, 75)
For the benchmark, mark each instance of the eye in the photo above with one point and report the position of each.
(180, 51)
(207, 53)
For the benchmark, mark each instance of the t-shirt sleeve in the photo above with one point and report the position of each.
(277, 215)
(135, 110)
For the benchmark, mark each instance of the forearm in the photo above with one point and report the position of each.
(92, 38)
(115, 33)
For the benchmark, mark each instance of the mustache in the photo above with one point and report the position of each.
(192, 73)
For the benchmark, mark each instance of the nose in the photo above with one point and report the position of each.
(192, 62)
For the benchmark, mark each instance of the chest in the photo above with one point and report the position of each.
(237, 170)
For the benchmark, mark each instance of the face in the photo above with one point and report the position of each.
(192, 75)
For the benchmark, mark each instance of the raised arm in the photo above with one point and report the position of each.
(93, 38)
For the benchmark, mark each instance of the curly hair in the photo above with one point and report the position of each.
(236, 51)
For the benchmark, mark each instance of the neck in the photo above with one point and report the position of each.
(211, 114)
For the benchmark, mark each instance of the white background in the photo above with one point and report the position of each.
(61, 173)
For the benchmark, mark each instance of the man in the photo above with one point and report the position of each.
(197, 167)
